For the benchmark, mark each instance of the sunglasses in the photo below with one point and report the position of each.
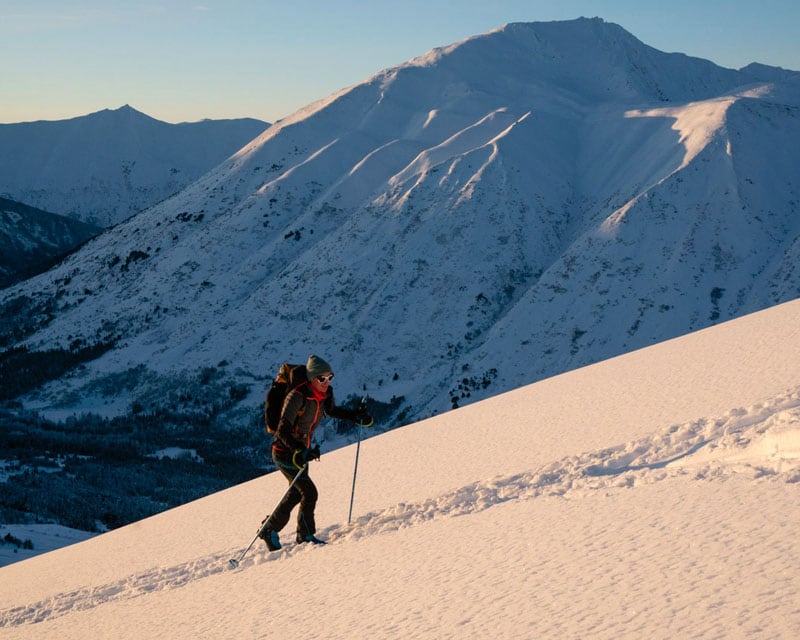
(325, 378)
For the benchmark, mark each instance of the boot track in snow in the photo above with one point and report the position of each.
(762, 442)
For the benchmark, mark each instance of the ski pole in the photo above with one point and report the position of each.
(355, 469)
(355, 472)
(234, 562)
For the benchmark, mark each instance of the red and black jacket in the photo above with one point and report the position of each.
(302, 412)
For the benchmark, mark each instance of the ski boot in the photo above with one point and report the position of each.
(270, 536)
(302, 539)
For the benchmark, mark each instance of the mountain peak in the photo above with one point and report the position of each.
(127, 109)
(123, 113)
(586, 60)
(496, 211)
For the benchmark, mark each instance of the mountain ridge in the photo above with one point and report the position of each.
(444, 233)
(108, 165)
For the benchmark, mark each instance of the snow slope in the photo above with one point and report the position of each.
(42, 537)
(528, 201)
(651, 495)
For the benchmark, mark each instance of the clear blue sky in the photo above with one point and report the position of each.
(185, 60)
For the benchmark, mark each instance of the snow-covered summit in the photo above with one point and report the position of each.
(495, 212)
(586, 60)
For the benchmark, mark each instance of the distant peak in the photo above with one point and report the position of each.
(124, 110)
(126, 113)
(128, 110)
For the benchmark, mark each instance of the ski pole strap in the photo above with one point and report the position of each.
(362, 415)
(294, 459)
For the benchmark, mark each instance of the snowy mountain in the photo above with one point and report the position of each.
(652, 495)
(495, 212)
(31, 240)
(104, 167)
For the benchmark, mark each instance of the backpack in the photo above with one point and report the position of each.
(290, 376)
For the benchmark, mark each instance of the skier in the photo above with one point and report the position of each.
(303, 408)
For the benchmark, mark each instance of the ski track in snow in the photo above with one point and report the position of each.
(762, 441)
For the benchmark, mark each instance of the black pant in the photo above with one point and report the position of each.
(304, 492)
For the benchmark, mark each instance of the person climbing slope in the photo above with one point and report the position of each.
(303, 409)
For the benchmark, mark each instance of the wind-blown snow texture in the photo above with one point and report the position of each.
(107, 166)
(495, 212)
(651, 495)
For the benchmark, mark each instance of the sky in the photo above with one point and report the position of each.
(186, 60)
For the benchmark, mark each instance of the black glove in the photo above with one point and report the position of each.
(313, 453)
(364, 419)
(361, 416)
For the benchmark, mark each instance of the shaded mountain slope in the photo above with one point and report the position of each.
(32, 240)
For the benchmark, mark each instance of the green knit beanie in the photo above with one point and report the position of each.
(317, 366)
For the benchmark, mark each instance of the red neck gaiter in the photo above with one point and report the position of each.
(318, 395)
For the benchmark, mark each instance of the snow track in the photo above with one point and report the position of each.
(762, 442)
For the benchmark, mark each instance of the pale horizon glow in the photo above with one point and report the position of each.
(184, 61)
